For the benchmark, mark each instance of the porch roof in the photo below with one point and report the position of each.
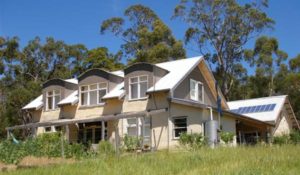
(96, 118)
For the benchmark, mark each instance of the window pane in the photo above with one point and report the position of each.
(58, 128)
(48, 129)
(131, 131)
(143, 78)
(134, 91)
(101, 94)
(143, 89)
(84, 88)
(50, 93)
(200, 92)
(98, 135)
(93, 97)
(131, 121)
(102, 86)
(147, 120)
(193, 90)
(134, 80)
(57, 99)
(49, 103)
(147, 131)
(57, 92)
(179, 131)
(93, 87)
(84, 99)
(89, 135)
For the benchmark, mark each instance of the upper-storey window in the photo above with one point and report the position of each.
(92, 94)
(138, 87)
(52, 98)
(196, 91)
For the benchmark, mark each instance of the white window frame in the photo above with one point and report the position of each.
(196, 95)
(173, 129)
(89, 90)
(138, 88)
(140, 126)
(54, 107)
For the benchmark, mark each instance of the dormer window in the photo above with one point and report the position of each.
(52, 98)
(196, 91)
(92, 94)
(138, 87)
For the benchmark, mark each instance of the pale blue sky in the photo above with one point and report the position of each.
(78, 21)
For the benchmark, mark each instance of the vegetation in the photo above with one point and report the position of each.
(292, 138)
(147, 39)
(131, 143)
(106, 149)
(224, 160)
(45, 145)
(227, 137)
(192, 141)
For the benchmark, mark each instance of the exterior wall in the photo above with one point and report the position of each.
(182, 91)
(284, 125)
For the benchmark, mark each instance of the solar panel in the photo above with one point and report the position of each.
(254, 109)
(272, 107)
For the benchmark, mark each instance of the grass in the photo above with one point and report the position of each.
(240, 160)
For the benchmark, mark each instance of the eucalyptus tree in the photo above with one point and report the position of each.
(145, 37)
(268, 59)
(220, 29)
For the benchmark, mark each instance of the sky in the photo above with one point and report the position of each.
(78, 21)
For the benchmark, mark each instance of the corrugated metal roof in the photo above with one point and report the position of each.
(262, 114)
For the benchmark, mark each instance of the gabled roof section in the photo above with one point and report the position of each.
(70, 100)
(264, 114)
(36, 104)
(142, 66)
(100, 72)
(68, 83)
(177, 71)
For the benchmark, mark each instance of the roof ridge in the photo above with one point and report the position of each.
(259, 98)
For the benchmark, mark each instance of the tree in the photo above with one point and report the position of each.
(147, 39)
(101, 58)
(268, 58)
(223, 27)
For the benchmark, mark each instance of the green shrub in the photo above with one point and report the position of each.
(280, 140)
(193, 141)
(131, 143)
(295, 137)
(48, 144)
(227, 137)
(106, 148)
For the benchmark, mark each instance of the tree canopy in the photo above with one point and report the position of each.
(147, 38)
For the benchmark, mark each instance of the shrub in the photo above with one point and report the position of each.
(106, 148)
(295, 137)
(48, 144)
(227, 137)
(131, 143)
(280, 140)
(193, 141)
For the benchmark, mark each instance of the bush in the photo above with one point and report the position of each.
(295, 137)
(106, 148)
(193, 141)
(48, 144)
(280, 140)
(131, 143)
(227, 137)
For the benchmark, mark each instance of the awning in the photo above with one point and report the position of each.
(61, 122)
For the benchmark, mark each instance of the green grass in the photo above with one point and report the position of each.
(240, 160)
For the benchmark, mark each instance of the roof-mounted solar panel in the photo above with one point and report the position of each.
(254, 109)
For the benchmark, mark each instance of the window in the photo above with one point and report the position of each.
(48, 129)
(92, 94)
(138, 87)
(92, 132)
(52, 98)
(58, 128)
(196, 91)
(180, 126)
(140, 127)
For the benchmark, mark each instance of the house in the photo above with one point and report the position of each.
(276, 110)
(156, 102)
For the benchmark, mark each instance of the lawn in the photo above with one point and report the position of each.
(240, 160)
